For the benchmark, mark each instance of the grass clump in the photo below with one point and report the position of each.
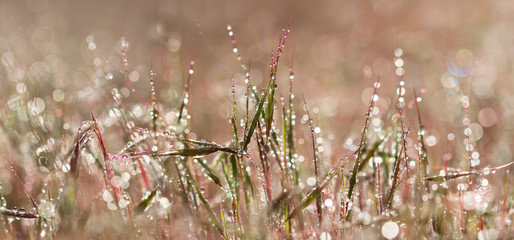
(136, 169)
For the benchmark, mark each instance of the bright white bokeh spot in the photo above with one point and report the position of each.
(390, 230)
(398, 52)
(431, 141)
(58, 95)
(36, 106)
(125, 176)
(106, 196)
(329, 203)
(164, 202)
(398, 62)
(451, 136)
(311, 181)
(325, 236)
(46, 209)
(123, 203)
(488, 234)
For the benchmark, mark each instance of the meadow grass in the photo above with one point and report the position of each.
(136, 169)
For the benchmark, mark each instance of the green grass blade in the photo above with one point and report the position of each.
(194, 152)
(143, 205)
(209, 171)
(255, 119)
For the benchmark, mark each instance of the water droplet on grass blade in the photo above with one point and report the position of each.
(46, 209)
(106, 196)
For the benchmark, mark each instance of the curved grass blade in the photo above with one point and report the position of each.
(17, 213)
(74, 160)
(353, 178)
(143, 205)
(314, 193)
(207, 207)
(255, 119)
(316, 167)
(209, 172)
(195, 152)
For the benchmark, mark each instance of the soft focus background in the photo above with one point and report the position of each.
(339, 48)
(60, 62)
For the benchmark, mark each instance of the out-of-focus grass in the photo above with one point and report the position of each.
(131, 120)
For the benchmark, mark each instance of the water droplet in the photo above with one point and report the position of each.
(475, 162)
(164, 202)
(106, 196)
(46, 209)
(390, 230)
(311, 181)
(325, 236)
(329, 203)
(36, 106)
(398, 62)
(398, 52)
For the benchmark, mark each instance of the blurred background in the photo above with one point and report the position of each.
(62, 60)
(52, 49)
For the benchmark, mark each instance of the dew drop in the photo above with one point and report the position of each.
(390, 230)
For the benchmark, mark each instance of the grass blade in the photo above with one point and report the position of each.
(17, 213)
(316, 167)
(194, 152)
(209, 171)
(353, 178)
(145, 203)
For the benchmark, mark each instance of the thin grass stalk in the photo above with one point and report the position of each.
(108, 170)
(263, 149)
(353, 178)
(319, 209)
(34, 204)
(396, 172)
(184, 105)
(290, 128)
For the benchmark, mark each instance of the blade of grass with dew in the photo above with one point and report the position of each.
(421, 135)
(184, 105)
(290, 128)
(181, 189)
(238, 157)
(263, 149)
(235, 173)
(452, 176)
(34, 204)
(74, 160)
(285, 169)
(273, 77)
(208, 170)
(194, 152)
(255, 119)
(144, 174)
(353, 178)
(17, 213)
(225, 170)
(108, 167)
(370, 154)
(269, 87)
(271, 101)
(155, 113)
(396, 170)
(223, 221)
(145, 203)
(206, 206)
(314, 193)
(315, 159)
